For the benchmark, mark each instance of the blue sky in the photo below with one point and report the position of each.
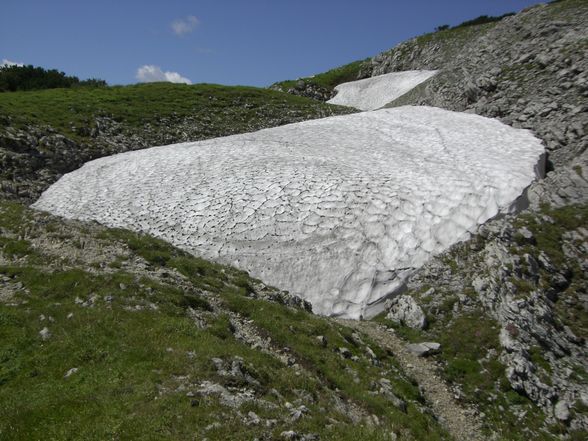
(251, 42)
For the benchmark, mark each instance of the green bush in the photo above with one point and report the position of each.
(482, 19)
(13, 78)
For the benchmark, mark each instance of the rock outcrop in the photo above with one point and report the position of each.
(528, 272)
(405, 311)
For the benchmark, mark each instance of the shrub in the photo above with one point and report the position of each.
(13, 78)
(482, 19)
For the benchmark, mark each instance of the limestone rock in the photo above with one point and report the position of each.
(404, 310)
(322, 340)
(561, 410)
(385, 388)
(344, 352)
(70, 372)
(424, 349)
(45, 334)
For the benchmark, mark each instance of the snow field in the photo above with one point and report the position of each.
(338, 210)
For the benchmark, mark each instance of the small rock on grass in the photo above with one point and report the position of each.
(345, 353)
(322, 341)
(45, 333)
(70, 372)
(423, 349)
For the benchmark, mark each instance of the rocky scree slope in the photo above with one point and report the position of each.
(509, 308)
(527, 273)
(44, 134)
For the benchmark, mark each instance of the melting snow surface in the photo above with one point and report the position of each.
(337, 210)
(373, 93)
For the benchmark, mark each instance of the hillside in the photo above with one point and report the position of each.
(526, 274)
(108, 334)
(321, 86)
(46, 133)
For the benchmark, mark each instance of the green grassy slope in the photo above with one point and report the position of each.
(68, 110)
(326, 80)
(136, 329)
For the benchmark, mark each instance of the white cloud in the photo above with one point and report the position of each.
(150, 74)
(186, 25)
(6, 62)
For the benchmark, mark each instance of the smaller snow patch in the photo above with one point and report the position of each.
(376, 92)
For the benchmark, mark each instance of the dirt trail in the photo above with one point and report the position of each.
(462, 423)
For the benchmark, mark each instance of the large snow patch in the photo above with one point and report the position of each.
(337, 210)
(373, 93)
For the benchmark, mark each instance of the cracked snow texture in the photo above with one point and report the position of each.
(373, 93)
(338, 210)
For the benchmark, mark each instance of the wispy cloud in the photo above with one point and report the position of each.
(186, 25)
(6, 62)
(150, 74)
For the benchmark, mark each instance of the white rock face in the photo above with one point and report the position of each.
(338, 210)
(373, 93)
